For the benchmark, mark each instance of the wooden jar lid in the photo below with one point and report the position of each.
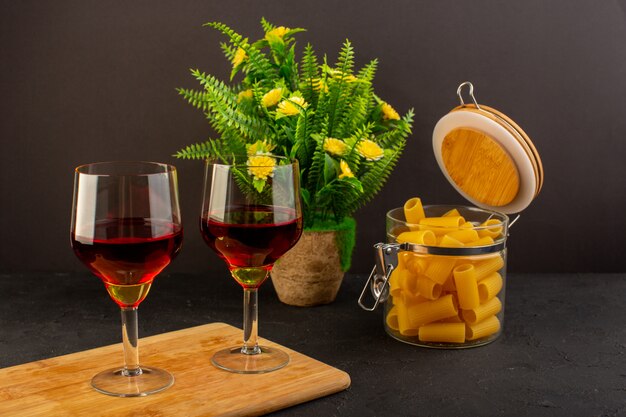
(487, 157)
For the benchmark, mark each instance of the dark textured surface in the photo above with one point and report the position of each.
(562, 352)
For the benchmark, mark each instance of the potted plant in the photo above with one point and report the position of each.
(347, 141)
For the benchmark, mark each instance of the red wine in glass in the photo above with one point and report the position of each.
(250, 225)
(127, 253)
(126, 228)
(252, 237)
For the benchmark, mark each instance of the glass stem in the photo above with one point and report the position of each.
(129, 340)
(250, 322)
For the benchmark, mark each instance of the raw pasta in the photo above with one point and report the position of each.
(439, 268)
(482, 329)
(464, 235)
(443, 332)
(430, 311)
(448, 241)
(489, 287)
(413, 211)
(444, 298)
(491, 228)
(466, 286)
(483, 311)
(427, 288)
(488, 267)
(392, 318)
(405, 327)
(422, 237)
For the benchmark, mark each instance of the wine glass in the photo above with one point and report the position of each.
(126, 228)
(251, 215)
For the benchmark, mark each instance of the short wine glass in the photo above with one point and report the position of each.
(251, 215)
(126, 228)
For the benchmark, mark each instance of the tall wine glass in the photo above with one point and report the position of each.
(251, 215)
(126, 228)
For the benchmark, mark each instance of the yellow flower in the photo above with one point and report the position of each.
(279, 32)
(389, 113)
(272, 97)
(335, 146)
(259, 147)
(244, 95)
(239, 57)
(345, 170)
(370, 150)
(261, 166)
(291, 106)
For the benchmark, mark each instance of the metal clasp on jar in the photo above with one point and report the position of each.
(379, 277)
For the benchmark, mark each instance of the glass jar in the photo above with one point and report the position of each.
(443, 286)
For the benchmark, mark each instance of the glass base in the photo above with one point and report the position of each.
(115, 382)
(233, 360)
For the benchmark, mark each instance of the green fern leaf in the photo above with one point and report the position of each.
(310, 81)
(377, 176)
(339, 86)
(201, 150)
(223, 112)
(390, 139)
(196, 98)
(317, 163)
(267, 26)
(235, 38)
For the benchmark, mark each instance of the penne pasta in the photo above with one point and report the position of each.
(405, 326)
(466, 286)
(449, 242)
(453, 319)
(430, 311)
(467, 225)
(464, 235)
(408, 282)
(489, 287)
(483, 241)
(487, 327)
(395, 290)
(491, 228)
(420, 237)
(427, 288)
(450, 221)
(478, 314)
(488, 267)
(410, 300)
(443, 332)
(392, 318)
(404, 258)
(413, 211)
(451, 213)
(417, 265)
(449, 285)
(440, 268)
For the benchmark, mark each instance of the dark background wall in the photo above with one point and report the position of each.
(84, 81)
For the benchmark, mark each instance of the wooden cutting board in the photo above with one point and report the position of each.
(61, 386)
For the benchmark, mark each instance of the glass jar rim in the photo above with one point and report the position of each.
(504, 219)
(396, 216)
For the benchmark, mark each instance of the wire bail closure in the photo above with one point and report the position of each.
(387, 258)
(459, 93)
(379, 277)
